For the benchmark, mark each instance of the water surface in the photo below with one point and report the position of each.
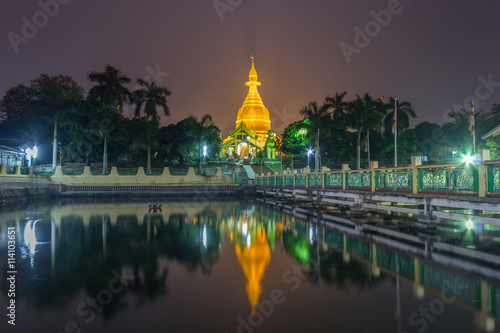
(239, 266)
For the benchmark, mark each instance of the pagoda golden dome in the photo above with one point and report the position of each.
(253, 114)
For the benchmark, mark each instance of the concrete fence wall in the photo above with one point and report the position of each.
(139, 179)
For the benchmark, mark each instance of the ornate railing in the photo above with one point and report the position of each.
(493, 179)
(469, 179)
(334, 180)
(395, 179)
(272, 180)
(300, 179)
(315, 180)
(454, 179)
(359, 180)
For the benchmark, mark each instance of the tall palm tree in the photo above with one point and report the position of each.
(405, 111)
(363, 114)
(319, 121)
(56, 99)
(110, 88)
(149, 98)
(316, 114)
(145, 134)
(201, 129)
(338, 103)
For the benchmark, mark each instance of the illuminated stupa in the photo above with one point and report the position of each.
(252, 123)
(253, 112)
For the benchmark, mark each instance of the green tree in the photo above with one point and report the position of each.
(149, 98)
(145, 136)
(110, 88)
(405, 111)
(363, 114)
(15, 104)
(337, 103)
(203, 129)
(295, 137)
(56, 100)
(318, 117)
(493, 143)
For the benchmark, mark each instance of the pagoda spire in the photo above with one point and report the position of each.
(253, 113)
(252, 77)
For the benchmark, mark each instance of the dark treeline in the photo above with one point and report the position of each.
(91, 128)
(343, 126)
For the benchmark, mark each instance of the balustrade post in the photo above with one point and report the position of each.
(345, 168)
(415, 162)
(373, 166)
(485, 156)
(324, 170)
(294, 173)
(307, 171)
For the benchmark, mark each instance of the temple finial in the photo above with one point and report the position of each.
(253, 72)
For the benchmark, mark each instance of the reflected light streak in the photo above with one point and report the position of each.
(469, 224)
(29, 236)
(204, 237)
(311, 236)
(249, 241)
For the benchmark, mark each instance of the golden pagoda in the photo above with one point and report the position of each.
(252, 123)
(253, 113)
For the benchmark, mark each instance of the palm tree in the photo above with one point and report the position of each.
(201, 129)
(337, 103)
(150, 96)
(405, 111)
(145, 134)
(316, 114)
(103, 125)
(110, 87)
(363, 114)
(57, 98)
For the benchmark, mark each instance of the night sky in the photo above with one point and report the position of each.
(435, 54)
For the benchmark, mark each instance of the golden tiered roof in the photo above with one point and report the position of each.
(253, 113)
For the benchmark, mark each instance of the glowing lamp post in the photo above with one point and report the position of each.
(309, 152)
(31, 153)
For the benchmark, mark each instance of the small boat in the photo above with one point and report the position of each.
(154, 207)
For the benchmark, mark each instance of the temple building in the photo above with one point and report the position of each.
(253, 126)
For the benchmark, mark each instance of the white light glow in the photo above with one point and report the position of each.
(249, 241)
(29, 236)
(204, 237)
(468, 159)
(311, 236)
(469, 224)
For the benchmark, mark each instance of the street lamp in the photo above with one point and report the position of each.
(309, 152)
(31, 153)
